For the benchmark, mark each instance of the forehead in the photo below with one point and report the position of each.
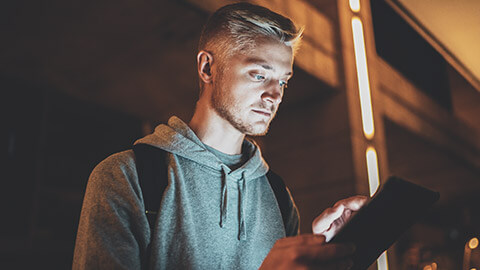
(270, 55)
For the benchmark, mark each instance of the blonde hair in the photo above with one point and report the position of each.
(235, 28)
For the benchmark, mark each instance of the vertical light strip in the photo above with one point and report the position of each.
(362, 76)
(372, 170)
(366, 109)
(354, 5)
(382, 261)
(373, 184)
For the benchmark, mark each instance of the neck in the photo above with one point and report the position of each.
(215, 131)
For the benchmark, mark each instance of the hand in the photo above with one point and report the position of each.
(334, 218)
(308, 251)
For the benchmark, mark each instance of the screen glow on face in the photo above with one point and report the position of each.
(251, 87)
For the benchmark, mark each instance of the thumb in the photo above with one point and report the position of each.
(325, 220)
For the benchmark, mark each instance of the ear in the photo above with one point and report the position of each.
(204, 66)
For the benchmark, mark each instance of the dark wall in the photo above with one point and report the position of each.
(135, 56)
(50, 144)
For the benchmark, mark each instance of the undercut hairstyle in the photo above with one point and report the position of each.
(236, 28)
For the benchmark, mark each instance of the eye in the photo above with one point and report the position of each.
(283, 83)
(258, 77)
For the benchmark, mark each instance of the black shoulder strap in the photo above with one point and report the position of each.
(281, 194)
(151, 165)
(152, 176)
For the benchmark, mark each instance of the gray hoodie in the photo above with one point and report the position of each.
(210, 217)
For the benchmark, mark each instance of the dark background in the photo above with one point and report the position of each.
(83, 80)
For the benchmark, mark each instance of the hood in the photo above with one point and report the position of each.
(176, 137)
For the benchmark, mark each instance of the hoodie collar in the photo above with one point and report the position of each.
(178, 138)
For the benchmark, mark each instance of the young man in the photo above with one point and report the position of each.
(218, 210)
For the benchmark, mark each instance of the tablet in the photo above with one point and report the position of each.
(396, 206)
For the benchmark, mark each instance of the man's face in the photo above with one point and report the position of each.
(249, 88)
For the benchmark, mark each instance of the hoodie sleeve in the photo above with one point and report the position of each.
(113, 232)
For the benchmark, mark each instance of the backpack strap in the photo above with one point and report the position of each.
(153, 179)
(281, 194)
(151, 165)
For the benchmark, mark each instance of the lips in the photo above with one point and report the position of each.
(263, 112)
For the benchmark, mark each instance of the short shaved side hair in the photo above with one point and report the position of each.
(235, 28)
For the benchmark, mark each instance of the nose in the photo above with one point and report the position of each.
(273, 93)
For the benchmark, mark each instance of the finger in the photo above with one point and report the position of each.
(329, 234)
(325, 220)
(353, 203)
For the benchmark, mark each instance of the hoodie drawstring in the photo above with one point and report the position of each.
(223, 200)
(242, 234)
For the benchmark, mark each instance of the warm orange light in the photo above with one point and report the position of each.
(432, 266)
(362, 77)
(467, 255)
(366, 109)
(473, 243)
(373, 183)
(355, 5)
(372, 170)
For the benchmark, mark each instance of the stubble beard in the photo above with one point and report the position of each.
(228, 109)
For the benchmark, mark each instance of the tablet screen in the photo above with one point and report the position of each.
(391, 211)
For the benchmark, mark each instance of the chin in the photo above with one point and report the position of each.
(252, 128)
(259, 130)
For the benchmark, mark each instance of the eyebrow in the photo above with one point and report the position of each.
(263, 64)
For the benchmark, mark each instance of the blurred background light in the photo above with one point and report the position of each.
(382, 261)
(372, 170)
(473, 243)
(355, 5)
(362, 77)
(432, 266)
